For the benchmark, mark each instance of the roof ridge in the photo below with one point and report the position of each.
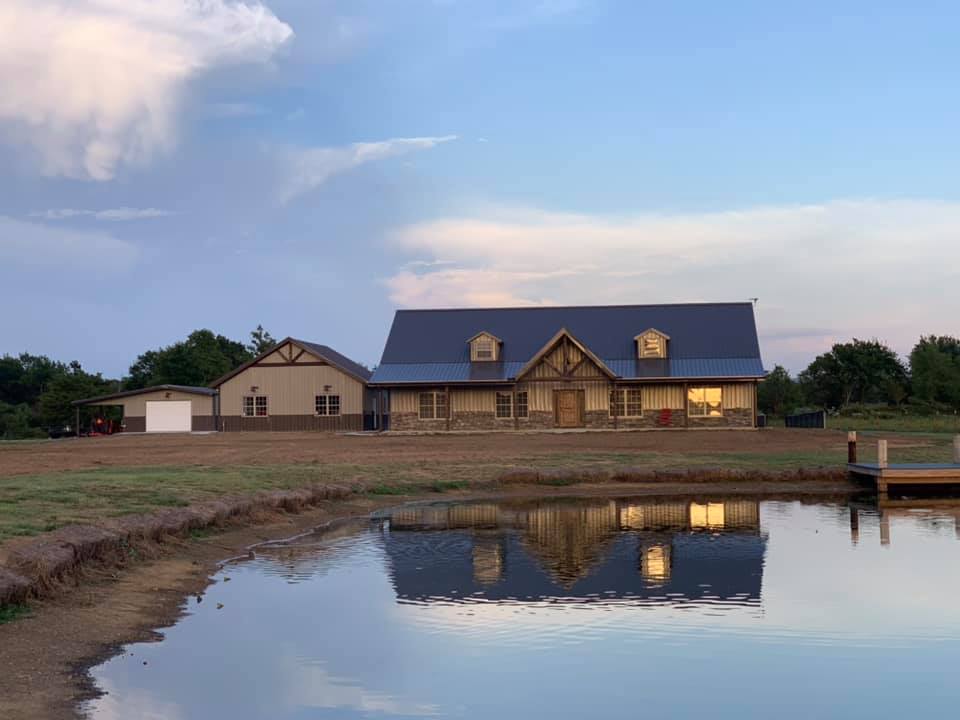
(576, 307)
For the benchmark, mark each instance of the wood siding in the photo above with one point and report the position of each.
(281, 354)
(736, 396)
(291, 390)
(136, 405)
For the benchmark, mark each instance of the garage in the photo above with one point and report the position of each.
(173, 416)
(157, 409)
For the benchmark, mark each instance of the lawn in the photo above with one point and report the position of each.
(31, 504)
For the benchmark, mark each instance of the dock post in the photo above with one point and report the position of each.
(956, 449)
(852, 447)
(882, 453)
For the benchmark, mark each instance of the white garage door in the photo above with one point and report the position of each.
(168, 416)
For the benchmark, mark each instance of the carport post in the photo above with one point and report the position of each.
(76, 427)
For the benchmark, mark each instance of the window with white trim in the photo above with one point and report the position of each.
(327, 405)
(254, 406)
(626, 402)
(523, 408)
(433, 405)
(504, 405)
(705, 402)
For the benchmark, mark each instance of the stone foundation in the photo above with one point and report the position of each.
(735, 417)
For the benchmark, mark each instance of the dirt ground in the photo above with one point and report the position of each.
(45, 657)
(296, 448)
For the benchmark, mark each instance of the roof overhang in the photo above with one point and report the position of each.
(105, 399)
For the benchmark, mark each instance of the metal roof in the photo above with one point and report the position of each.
(454, 373)
(324, 352)
(707, 340)
(143, 391)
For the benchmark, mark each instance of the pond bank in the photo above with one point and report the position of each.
(119, 598)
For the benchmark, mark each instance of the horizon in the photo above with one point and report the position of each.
(312, 168)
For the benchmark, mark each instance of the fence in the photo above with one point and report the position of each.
(816, 419)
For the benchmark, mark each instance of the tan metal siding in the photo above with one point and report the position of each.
(474, 400)
(659, 397)
(540, 398)
(292, 390)
(738, 396)
(405, 401)
(136, 406)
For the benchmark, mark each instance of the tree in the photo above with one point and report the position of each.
(198, 360)
(260, 341)
(861, 371)
(935, 370)
(779, 393)
(56, 403)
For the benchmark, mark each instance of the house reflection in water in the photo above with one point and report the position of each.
(578, 551)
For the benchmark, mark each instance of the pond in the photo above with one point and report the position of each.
(573, 608)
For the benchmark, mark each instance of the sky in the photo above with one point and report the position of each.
(313, 165)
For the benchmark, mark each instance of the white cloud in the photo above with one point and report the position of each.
(305, 169)
(887, 269)
(112, 214)
(32, 245)
(92, 85)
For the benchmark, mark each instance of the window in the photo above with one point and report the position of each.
(504, 405)
(433, 405)
(652, 344)
(705, 402)
(327, 405)
(254, 406)
(626, 402)
(523, 409)
(483, 348)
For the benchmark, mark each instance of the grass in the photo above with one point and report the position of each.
(903, 423)
(37, 503)
(9, 613)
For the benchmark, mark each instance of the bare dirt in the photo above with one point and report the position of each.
(302, 448)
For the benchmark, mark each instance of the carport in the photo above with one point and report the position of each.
(161, 409)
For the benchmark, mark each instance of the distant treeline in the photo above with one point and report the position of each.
(864, 372)
(36, 392)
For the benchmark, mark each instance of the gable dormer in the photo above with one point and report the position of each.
(484, 347)
(651, 344)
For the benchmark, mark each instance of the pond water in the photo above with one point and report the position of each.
(654, 607)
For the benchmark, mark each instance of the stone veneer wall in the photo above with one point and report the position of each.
(593, 419)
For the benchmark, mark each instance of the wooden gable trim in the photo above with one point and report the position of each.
(289, 360)
(564, 334)
(651, 330)
(488, 334)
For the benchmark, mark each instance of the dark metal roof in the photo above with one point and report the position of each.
(707, 340)
(143, 391)
(341, 362)
(336, 359)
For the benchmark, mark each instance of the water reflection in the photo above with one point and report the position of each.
(666, 551)
(572, 609)
(933, 512)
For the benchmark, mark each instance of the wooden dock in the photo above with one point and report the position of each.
(886, 474)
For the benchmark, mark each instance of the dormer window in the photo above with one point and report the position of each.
(484, 347)
(651, 344)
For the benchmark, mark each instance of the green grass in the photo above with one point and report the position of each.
(9, 613)
(903, 423)
(37, 503)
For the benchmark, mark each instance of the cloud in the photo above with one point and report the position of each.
(113, 214)
(92, 85)
(871, 268)
(305, 169)
(31, 245)
(235, 110)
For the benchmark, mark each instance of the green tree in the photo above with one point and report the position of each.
(862, 371)
(935, 370)
(198, 360)
(260, 341)
(779, 393)
(56, 403)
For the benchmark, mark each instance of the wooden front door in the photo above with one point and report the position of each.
(567, 404)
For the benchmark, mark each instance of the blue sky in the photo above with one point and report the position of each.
(311, 166)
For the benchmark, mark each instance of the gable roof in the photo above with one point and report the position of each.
(325, 353)
(143, 391)
(552, 343)
(707, 340)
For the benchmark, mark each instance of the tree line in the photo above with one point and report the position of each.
(36, 393)
(867, 372)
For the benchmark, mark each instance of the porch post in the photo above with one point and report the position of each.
(449, 405)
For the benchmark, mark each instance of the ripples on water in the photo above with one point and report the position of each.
(666, 608)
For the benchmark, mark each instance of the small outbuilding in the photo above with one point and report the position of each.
(162, 408)
(296, 385)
